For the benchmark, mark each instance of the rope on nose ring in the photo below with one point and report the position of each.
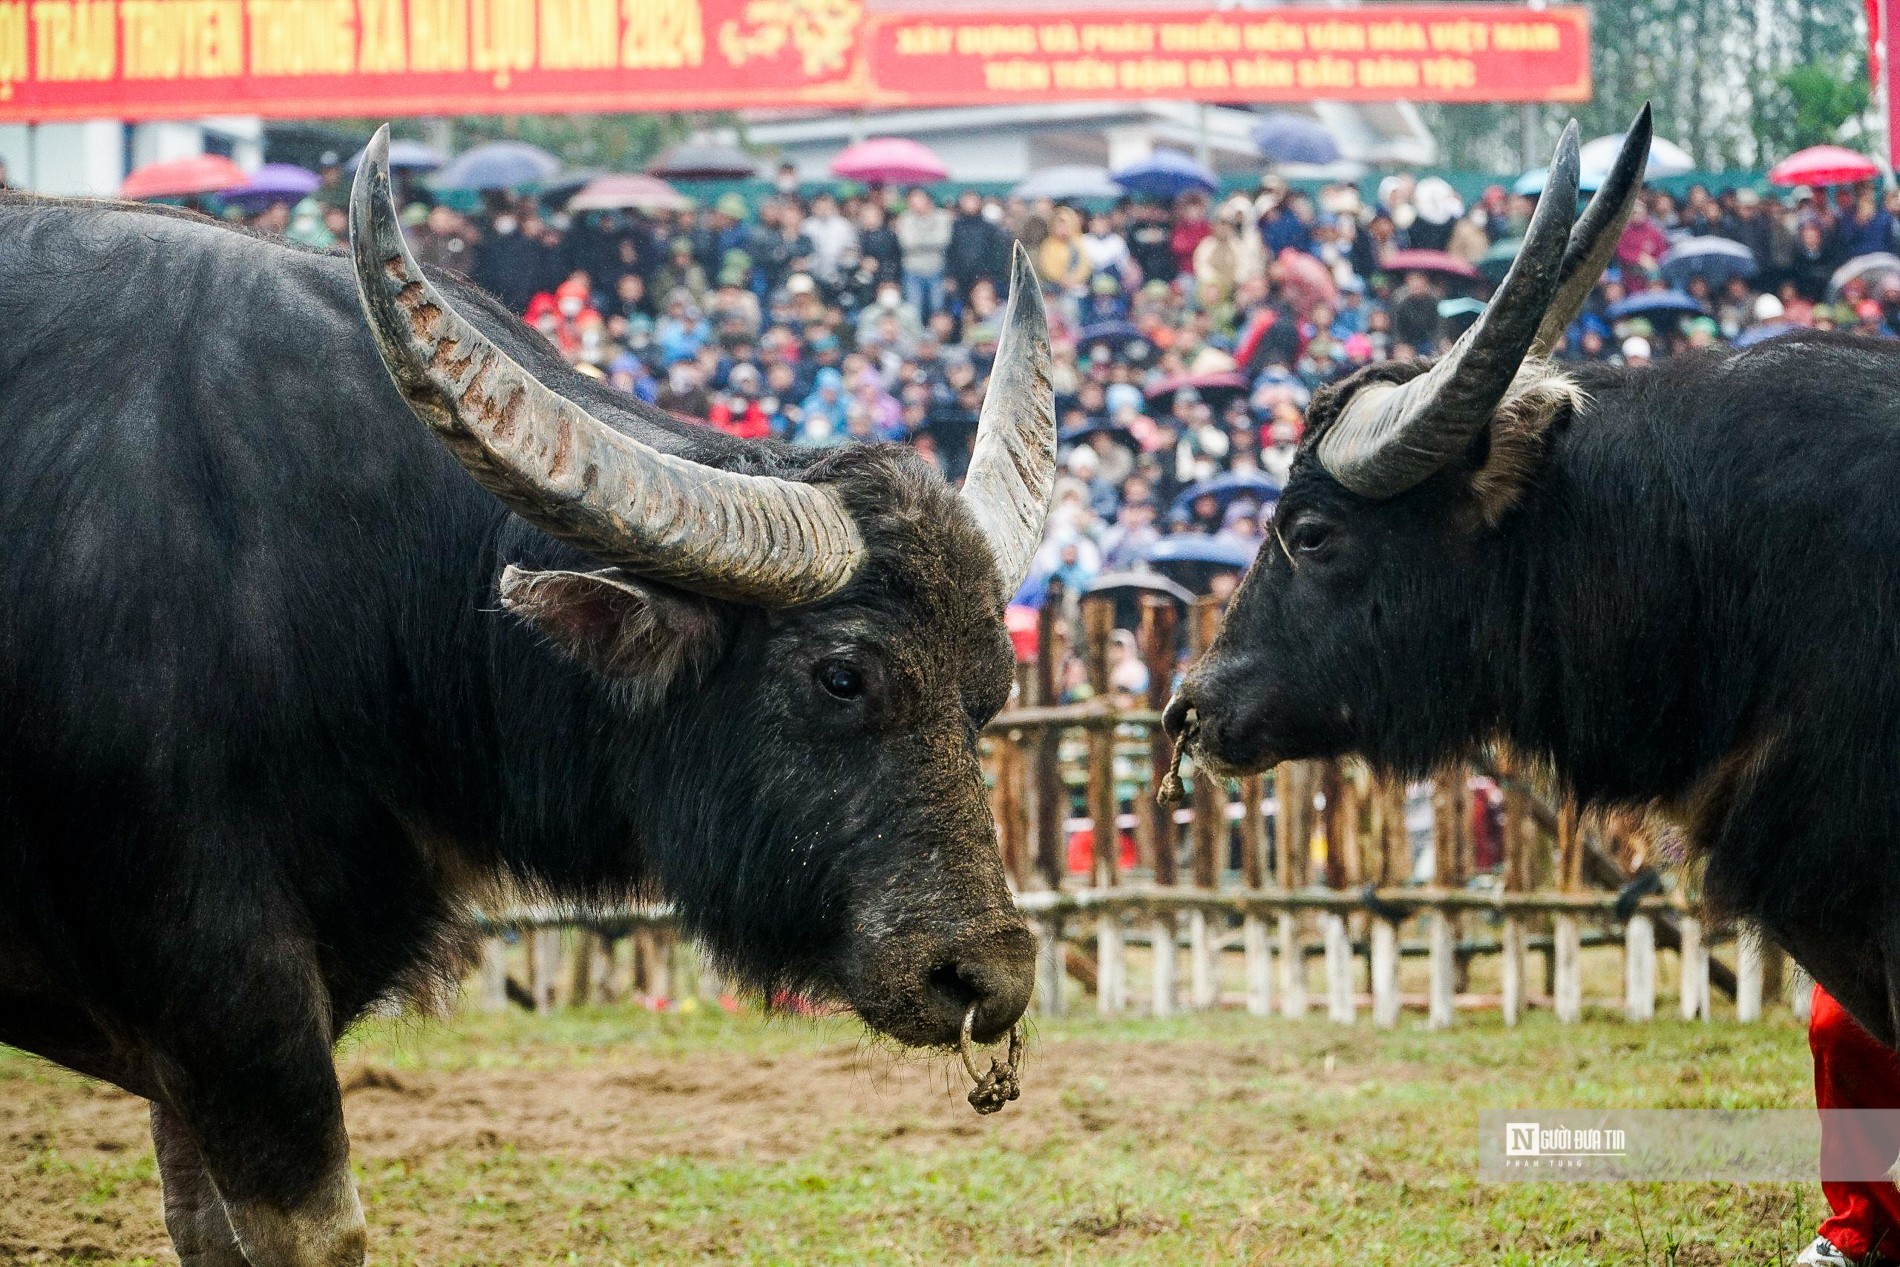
(999, 1086)
(1171, 792)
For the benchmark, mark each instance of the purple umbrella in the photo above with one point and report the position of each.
(275, 182)
(1282, 137)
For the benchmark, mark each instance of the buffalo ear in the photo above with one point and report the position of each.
(616, 624)
(1518, 440)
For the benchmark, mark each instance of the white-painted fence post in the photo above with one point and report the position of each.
(1161, 941)
(1511, 968)
(1340, 1003)
(1111, 965)
(1568, 938)
(544, 966)
(1385, 973)
(1748, 975)
(1258, 949)
(1800, 991)
(1695, 970)
(494, 975)
(1443, 970)
(1639, 968)
(1292, 968)
(1203, 963)
(1049, 967)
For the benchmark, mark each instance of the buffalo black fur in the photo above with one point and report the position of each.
(1691, 601)
(269, 729)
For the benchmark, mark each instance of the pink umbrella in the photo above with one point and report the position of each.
(889, 160)
(1306, 282)
(1443, 263)
(1822, 165)
(619, 193)
(182, 177)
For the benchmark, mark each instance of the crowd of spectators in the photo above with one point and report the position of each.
(1189, 335)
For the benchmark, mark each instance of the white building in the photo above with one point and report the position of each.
(94, 156)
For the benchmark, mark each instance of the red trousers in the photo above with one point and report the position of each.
(1852, 1071)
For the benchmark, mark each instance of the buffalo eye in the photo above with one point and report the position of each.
(1309, 536)
(841, 680)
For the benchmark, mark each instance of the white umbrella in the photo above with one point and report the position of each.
(1666, 158)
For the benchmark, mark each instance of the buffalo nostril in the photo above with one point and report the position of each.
(997, 984)
(1174, 718)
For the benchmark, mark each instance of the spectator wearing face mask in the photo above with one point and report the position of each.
(684, 394)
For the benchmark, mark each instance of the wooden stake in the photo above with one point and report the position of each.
(1693, 989)
(1051, 797)
(494, 975)
(1511, 970)
(1210, 797)
(1098, 632)
(1253, 848)
(1157, 643)
(544, 967)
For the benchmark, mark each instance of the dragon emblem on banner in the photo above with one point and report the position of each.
(824, 33)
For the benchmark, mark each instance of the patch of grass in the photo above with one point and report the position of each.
(1201, 1139)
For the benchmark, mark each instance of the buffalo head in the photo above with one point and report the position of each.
(793, 655)
(1353, 630)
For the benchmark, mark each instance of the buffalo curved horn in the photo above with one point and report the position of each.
(750, 538)
(1598, 230)
(1390, 436)
(1013, 465)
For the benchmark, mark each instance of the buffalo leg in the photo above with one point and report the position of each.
(248, 1075)
(194, 1214)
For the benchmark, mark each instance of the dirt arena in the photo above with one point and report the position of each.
(621, 1137)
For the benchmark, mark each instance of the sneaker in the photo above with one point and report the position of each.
(1822, 1253)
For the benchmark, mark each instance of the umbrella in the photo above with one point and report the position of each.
(889, 160)
(1127, 588)
(1869, 267)
(1070, 184)
(1764, 332)
(1225, 488)
(702, 160)
(1666, 158)
(1108, 332)
(1496, 262)
(1440, 262)
(1216, 388)
(276, 182)
(1654, 303)
(1307, 282)
(622, 193)
(498, 165)
(557, 191)
(405, 155)
(1531, 183)
(1716, 259)
(1282, 137)
(1822, 165)
(1166, 174)
(183, 177)
(1193, 559)
(1119, 434)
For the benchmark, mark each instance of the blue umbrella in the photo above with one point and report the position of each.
(1108, 332)
(405, 156)
(1717, 259)
(1226, 487)
(1531, 183)
(1653, 303)
(1070, 184)
(1762, 333)
(1193, 559)
(1291, 138)
(1076, 434)
(1166, 174)
(498, 165)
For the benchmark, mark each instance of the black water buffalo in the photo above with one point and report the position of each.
(286, 690)
(1677, 585)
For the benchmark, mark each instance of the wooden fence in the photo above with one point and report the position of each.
(1250, 882)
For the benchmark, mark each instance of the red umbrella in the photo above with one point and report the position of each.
(182, 177)
(889, 160)
(1822, 165)
(1307, 282)
(1440, 262)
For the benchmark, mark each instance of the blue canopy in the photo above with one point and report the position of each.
(1200, 547)
(1070, 184)
(498, 165)
(1282, 137)
(1166, 174)
(1227, 486)
(1531, 183)
(1717, 259)
(1652, 303)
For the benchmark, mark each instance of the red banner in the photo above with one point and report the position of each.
(144, 59)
